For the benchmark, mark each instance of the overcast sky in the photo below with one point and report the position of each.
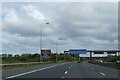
(80, 25)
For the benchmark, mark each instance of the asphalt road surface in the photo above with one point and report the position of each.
(63, 70)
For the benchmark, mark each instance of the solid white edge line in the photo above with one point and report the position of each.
(34, 71)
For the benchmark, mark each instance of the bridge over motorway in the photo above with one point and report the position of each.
(99, 52)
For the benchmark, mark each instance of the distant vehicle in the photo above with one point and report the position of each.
(101, 60)
(79, 61)
(91, 61)
(118, 62)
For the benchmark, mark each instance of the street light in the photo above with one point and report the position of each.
(56, 51)
(57, 48)
(41, 41)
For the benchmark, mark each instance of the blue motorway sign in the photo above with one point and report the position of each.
(45, 56)
(77, 51)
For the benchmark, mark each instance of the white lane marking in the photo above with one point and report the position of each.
(92, 68)
(69, 67)
(62, 77)
(34, 71)
(66, 72)
(102, 73)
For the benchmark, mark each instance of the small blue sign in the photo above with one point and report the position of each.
(45, 56)
(77, 51)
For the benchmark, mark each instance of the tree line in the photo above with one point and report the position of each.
(10, 58)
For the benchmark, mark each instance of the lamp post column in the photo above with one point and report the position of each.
(41, 42)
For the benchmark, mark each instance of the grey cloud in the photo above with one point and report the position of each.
(19, 22)
(79, 25)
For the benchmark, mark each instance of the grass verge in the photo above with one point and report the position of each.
(110, 65)
(8, 67)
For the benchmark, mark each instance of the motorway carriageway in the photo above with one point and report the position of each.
(63, 70)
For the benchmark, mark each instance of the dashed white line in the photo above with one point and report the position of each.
(92, 68)
(102, 74)
(66, 72)
(69, 67)
(62, 77)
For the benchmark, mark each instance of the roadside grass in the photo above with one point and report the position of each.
(8, 67)
(110, 65)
